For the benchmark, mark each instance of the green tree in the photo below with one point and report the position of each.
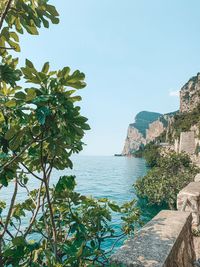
(40, 128)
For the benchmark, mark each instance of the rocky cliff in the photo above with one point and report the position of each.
(182, 127)
(190, 94)
(147, 126)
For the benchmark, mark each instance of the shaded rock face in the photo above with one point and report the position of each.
(156, 128)
(147, 127)
(133, 140)
(190, 94)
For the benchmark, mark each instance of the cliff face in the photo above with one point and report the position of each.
(190, 94)
(133, 140)
(156, 128)
(146, 128)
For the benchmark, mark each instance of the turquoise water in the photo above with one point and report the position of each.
(99, 176)
(110, 176)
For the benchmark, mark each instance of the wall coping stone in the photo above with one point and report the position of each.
(154, 243)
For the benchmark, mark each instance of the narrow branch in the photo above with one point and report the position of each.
(36, 176)
(3, 16)
(7, 48)
(10, 210)
(46, 183)
(28, 191)
(17, 156)
(7, 231)
(18, 228)
(51, 216)
(36, 211)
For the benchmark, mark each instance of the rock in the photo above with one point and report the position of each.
(156, 128)
(133, 140)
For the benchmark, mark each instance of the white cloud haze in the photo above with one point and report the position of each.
(174, 93)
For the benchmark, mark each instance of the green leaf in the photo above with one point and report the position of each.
(52, 10)
(19, 241)
(29, 64)
(10, 133)
(114, 207)
(20, 95)
(45, 68)
(10, 103)
(16, 142)
(65, 183)
(14, 36)
(85, 126)
(1, 117)
(31, 94)
(42, 113)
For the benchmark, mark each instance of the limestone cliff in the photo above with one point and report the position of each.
(133, 140)
(155, 129)
(190, 94)
(147, 126)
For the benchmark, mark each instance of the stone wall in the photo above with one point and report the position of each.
(166, 241)
(187, 142)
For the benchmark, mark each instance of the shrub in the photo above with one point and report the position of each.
(163, 182)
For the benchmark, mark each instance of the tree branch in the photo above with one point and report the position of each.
(36, 211)
(7, 231)
(10, 210)
(31, 171)
(5, 12)
(46, 183)
(17, 156)
(7, 48)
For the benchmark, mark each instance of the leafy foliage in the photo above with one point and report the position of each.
(150, 152)
(163, 182)
(41, 126)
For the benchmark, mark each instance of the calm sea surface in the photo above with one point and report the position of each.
(99, 176)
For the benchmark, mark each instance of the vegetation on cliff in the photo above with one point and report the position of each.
(150, 152)
(168, 176)
(184, 121)
(41, 126)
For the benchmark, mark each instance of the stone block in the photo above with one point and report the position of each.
(191, 194)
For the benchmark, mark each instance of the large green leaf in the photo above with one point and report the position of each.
(42, 113)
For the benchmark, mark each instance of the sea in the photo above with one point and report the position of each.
(100, 177)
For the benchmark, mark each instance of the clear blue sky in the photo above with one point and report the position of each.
(135, 54)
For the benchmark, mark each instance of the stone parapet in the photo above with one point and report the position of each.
(165, 241)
